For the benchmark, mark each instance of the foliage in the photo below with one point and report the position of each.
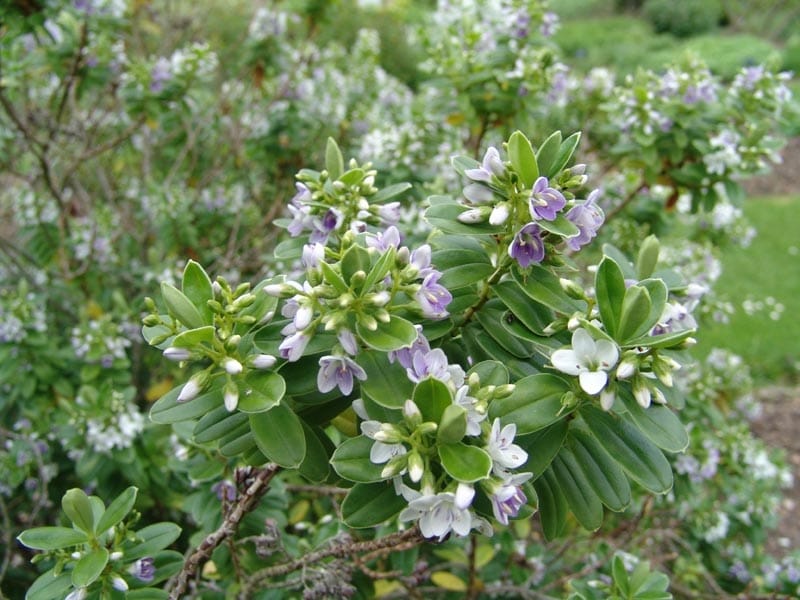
(682, 19)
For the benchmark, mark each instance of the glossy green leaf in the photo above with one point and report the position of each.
(260, 391)
(196, 286)
(541, 344)
(316, 464)
(638, 457)
(387, 383)
(601, 471)
(542, 285)
(522, 158)
(181, 307)
(534, 404)
(89, 567)
(483, 347)
(432, 397)
(664, 340)
(237, 443)
(465, 463)
(279, 435)
(52, 538)
(151, 539)
(610, 292)
(625, 265)
(565, 152)
(461, 164)
(334, 162)
(647, 259)
(371, 504)
(380, 269)
(78, 508)
(351, 461)
(531, 313)
(559, 226)
(658, 300)
(356, 259)
(490, 372)
(659, 424)
(547, 153)
(290, 248)
(117, 510)
(453, 425)
(333, 278)
(552, 505)
(445, 218)
(216, 424)
(352, 176)
(488, 317)
(461, 267)
(581, 498)
(395, 334)
(389, 192)
(542, 446)
(168, 410)
(635, 313)
(49, 585)
(194, 337)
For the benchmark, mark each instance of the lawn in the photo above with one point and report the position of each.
(763, 277)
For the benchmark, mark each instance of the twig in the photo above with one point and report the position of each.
(245, 503)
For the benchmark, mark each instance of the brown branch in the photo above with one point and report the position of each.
(390, 543)
(244, 504)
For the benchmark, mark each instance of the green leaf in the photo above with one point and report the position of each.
(610, 292)
(168, 410)
(490, 372)
(355, 259)
(181, 307)
(152, 539)
(432, 397)
(237, 443)
(547, 153)
(664, 340)
(635, 313)
(560, 226)
(397, 333)
(389, 192)
(445, 218)
(351, 461)
(465, 463)
(461, 164)
(453, 425)
(489, 317)
(117, 510)
(534, 404)
(52, 538)
(461, 268)
(380, 269)
(542, 446)
(279, 435)
(647, 258)
(49, 585)
(581, 498)
(387, 383)
(260, 391)
(146, 594)
(658, 423)
(601, 471)
(522, 158)
(89, 567)
(316, 464)
(290, 248)
(542, 285)
(78, 508)
(532, 314)
(334, 162)
(196, 286)
(638, 457)
(658, 292)
(332, 278)
(371, 504)
(194, 337)
(352, 176)
(552, 505)
(217, 424)
(565, 152)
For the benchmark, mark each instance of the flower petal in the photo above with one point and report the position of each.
(593, 381)
(566, 361)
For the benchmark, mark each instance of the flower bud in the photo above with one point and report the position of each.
(231, 396)
(115, 555)
(177, 354)
(499, 214)
(641, 391)
(472, 216)
(395, 466)
(232, 366)
(411, 413)
(607, 397)
(427, 427)
(627, 368)
(503, 391)
(388, 434)
(573, 323)
(416, 467)
(118, 583)
(151, 320)
(381, 298)
(572, 289)
(193, 387)
(368, 321)
(262, 361)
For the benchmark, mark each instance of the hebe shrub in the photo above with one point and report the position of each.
(683, 19)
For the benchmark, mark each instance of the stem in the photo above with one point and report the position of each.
(245, 503)
(625, 202)
(501, 270)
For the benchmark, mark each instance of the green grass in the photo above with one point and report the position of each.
(769, 267)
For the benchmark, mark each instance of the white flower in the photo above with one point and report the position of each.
(588, 359)
(505, 454)
(438, 515)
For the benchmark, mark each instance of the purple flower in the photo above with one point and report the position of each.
(545, 201)
(405, 356)
(549, 24)
(433, 297)
(348, 341)
(491, 165)
(323, 227)
(588, 217)
(313, 254)
(384, 240)
(429, 364)
(421, 259)
(292, 347)
(389, 213)
(160, 74)
(506, 502)
(225, 490)
(504, 452)
(338, 371)
(527, 246)
(144, 569)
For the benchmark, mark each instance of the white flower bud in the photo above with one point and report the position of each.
(472, 216)
(641, 391)
(115, 555)
(190, 389)
(499, 214)
(416, 468)
(118, 583)
(177, 354)
(626, 369)
(607, 397)
(231, 397)
(232, 366)
(263, 361)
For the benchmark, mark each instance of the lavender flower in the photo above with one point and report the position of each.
(545, 201)
(405, 355)
(144, 569)
(438, 515)
(160, 74)
(433, 297)
(507, 500)
(322, 228)
(384, 240)
(588, 217)
(429, 364)
(292, 347)
(527, 246)
(504, 452)
(491, 165)
(338, 371)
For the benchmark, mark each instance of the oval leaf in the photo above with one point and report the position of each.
(387, 383)
(48, 586)
(89, 567)
(117, 510)
(78, 508)
(351, 461)
(181, 307)
(659, 424)
(151, 539)
(261, 391)
(520, 153)
(395, 334)
(279, 435)
(534, 404)
(52, 538)
(581, 498)
(370, 504)
(465, 463)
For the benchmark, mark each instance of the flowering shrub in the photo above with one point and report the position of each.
(401, 393)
